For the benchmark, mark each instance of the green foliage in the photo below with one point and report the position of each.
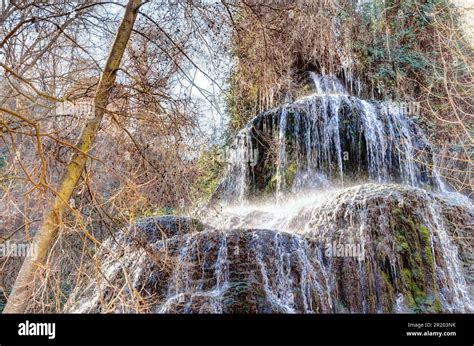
(424, 234)
(417, 274)
(242, 97)
(160, 211)
(396, 46)
(388, 291)
(272, 183)
(417, 298)
(210, 165)
(290, 173)
(393, 46)
(3, 162)
(287, 172)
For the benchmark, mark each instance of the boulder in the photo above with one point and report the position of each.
(411, 261)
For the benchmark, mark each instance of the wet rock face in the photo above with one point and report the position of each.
(411, 260)
(325, 139)
(233, 272)
(211, 272)
(408, 263)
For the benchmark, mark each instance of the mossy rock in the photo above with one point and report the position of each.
(417, 274)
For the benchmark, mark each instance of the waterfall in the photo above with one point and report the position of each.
(240, 156)
(281, 161)
(326, 85)
(329, 204)
(237, 263)
(330, 137)
(451, 272)
(319, 215)
(376, 142)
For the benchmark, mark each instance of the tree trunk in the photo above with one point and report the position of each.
(48, 231)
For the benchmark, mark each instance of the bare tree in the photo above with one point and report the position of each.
(48, 231)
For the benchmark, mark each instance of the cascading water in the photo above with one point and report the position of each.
(240, 152)
(331, 136)
(374, 134)
(321, 245)
(396, 256)
(326, 85)
(281, 161)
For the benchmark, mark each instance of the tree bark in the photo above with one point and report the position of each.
(22, 289)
